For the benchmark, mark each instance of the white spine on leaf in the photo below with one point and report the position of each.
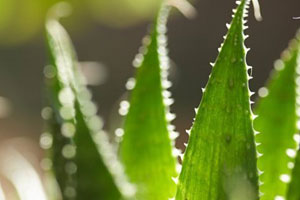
(164, 67)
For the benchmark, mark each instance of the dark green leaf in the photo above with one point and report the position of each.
(220, 159)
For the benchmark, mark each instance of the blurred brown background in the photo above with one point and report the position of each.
(110, 32)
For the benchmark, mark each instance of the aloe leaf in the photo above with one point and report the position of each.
(277, 124)
(146, 147)
(63, 113)
(220, 159)
(84, 162)
(293, 190)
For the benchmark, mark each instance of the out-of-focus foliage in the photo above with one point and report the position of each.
(21, 20)
(277, 111)
(123, 12)
(83, 161)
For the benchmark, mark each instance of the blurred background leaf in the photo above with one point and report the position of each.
(81, 152)
(277, 118)
(21, 20)
(126, 12)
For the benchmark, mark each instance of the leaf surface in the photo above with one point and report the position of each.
(146, 148)
(277, 118)
(220, 159)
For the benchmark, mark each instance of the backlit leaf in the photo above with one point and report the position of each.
(220, 159)
(85, 164)
(277, 120)
(146, 148)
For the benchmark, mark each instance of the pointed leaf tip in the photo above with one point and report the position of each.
(146, 149)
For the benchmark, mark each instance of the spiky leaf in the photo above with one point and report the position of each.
(84, 162)
(277, 123)
(146, 148)
(220, 159)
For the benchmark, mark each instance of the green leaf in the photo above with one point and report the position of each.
(220, 159)
(57, 82)
(146, 148)
(277, 124)
(85, 164)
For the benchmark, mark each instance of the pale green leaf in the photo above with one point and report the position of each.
(276, 122)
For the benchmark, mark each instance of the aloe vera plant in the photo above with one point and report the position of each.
(220, 161)
(277, 110)
(146, 148)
